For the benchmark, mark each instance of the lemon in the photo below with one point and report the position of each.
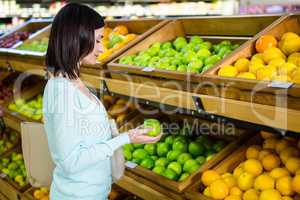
(258, 57)
(286, 198)
(279, 172)
(294, 58)
(272, 53)
(270, 194)
(281, 145)
(209, 176)
(254, 66)
(229, 179)
(296, 184)
(266, 73)
(219, 189)
(277, 62)
(290, 43)
(287, 69)
(228, 71)
(253, 167)
(253, 152)
(288, 152)
(233, 197)
(284, 185)
(245, 181)
(264, 182)
(237, 172)
(263, 153)
(288, 35)
(270, 162)
(293, 164)
(236, 191)
(246, 75)
(296, 76)
(297, 172)
(270, 143)
(251, 194)
(282, 78)
(206, 192)
(242, 65)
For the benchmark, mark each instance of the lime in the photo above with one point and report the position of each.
(158, 170)
(183, 176)
(219, 145)
(173, 155)
(196, 149)
(127, 154)
(162, 149)
(162, 162)
(180, 146)
(154, 158)
(183, 158)
(138, 146)
(190, 166)
(210, 157)
(196, 39)
(147, 163)
(176, 167)
(140, 154)
(154, 124)
(170, 174)
(169, 139)
(150, 148)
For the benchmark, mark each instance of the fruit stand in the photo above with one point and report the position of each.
(203, 69)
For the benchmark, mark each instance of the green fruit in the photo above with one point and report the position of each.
(127, 154)
(181, 138)
(190, 165)
(162, 149)
(190, 56)
(169, 139)
(180, 146)
(126, 60)
(183, 158)
(224, 51)
(114, 39)
(203, 53)
(195, 66)
(170, 53)
(137, 161)
(196, 39)
(170, 174)
(128, 147)
(182, 68)
(196, 149)
(212, 60)
(150, 148)
(162, 162)
(154, 158)
(207, 67)
(173, 155)
(201, 160)
(219, 145)
(171, 68)
(140, 154)
(166, 45)
(179, 43)
(176, 167)
(209, 152)
(210, 157)
(183, 176)
(147, 163)
(138, 146)
(158, 170)
(226, 42)
(206, 45)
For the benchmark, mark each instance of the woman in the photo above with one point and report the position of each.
(76, 122)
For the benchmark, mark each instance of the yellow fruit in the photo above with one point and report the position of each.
(288, 152)
(296, 80)
(294, 58)
(237, 172)
(253, 152)
(218, 189)
(228, 71)
(270, 194)
(266, 73)
(245, 181)
(270, 143)
(293, 164)
(279, 172)
(270, 162)
(242, 65)
(253, 167)
(284, 185)
(290, 43)
(282, 78)
(246, 75)
(286, 69)
(264, 182)
(263, 153)
(286, 198)
(272, 53)
(236, 191)
(288, 35)
(257, 57)
(209, 176)
(38, 194)
(297, 172)
(45, 198)
(296, 76)
(254, 66)
(233, 197)
(296, 184)
(206, 192)
(277, 62)
(281, 145)
(229, 179)
(251, 194)
(44, 190)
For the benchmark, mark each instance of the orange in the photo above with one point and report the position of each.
(279, 172)
(106, 32)
(284, 185)
(236, 191)
(253, 152)
(296, 184)
(264, 182)
(270, 162)
(253, 167)
(265, 42)
(293, 164)
(129, 37)
(251, 194)
(121, 29)
(209, 176)
(219, 189)
(270, 194)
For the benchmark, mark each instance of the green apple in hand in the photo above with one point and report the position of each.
(153, 124)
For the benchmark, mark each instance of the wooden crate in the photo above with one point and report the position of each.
(179, 187)
(242, 88)
(212, 29)
(28, 195)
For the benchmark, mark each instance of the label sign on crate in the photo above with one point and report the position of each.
(130, 164)
(2, 175)
(148, 69)
(277, 84)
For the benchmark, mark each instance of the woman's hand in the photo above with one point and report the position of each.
(138, 136)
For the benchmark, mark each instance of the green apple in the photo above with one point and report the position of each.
(183, 158)
(195, 66)
(219, 145)
(183, 176)
(207, 67)
(166, 45)
(190, 166)
(206, 45)
(127, 60)
(179, 43)
(147, 163)
(212, 60)
(181, 138)
(127, 154)
(182, 68)
(173, 155)
(196, 149)
(170, 174)
(138, 146)
(176, 167)
(162, 149)
(150, 148)
(203, 53)
(201, 160)
(158, 170)
(196, 39)
(171, 68)
(170, 52)
(128, 147)
(162, 162)
(169, 139)
(154, 157)
(180, 146)
(153, 124)
(190, 56)
(140, 154)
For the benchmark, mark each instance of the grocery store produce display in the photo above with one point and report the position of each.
(31, 109)
(10, 40)
(41, 193)
(275, 60)
(14, 168)
(114, 39)
(8, 139)
(269, 171)
(195, 55)
(37, 45)
(175, 156)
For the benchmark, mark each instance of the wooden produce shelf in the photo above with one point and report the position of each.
(271, 116)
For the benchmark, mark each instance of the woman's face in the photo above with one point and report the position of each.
(91, 58)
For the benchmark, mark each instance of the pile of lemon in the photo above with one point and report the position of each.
(274, 61)
(271, 171)
(41, 194)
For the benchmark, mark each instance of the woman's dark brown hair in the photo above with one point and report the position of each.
(72, 37)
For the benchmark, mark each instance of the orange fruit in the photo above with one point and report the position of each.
(284, 185)
(246, 75)
(253, 152)
(106, 32)
(253, 167)
(237, 172)
(129, 37)
(266, 73)
(228, 71)
(209, 176)
(121, 29)
(219, 189)
(296, 184)
(270, 162)
(265, 42)
(38, 194)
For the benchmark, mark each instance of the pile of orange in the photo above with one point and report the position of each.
(114, 39)
(271, 171)
(275, 60)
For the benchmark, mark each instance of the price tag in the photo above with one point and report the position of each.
(2, 175)
(148, 69)
(277, 84)
(14, 113)
(130, 164)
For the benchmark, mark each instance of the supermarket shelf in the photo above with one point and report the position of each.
(276, 117)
